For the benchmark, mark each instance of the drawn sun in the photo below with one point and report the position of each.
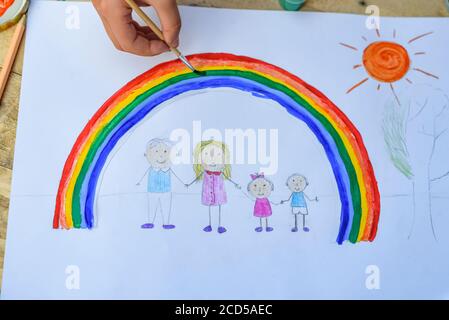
(388, 61)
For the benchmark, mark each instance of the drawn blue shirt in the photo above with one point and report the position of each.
(159, 181)
(298, 200)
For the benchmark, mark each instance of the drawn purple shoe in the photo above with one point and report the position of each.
(258, 229)
(207, 229)
(147, 226)
(294, 229)
(269, 229)
(168, 226)
(306, 229)
(221, 230)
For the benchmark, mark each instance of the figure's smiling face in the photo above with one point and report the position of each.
(260, 188)
(297, 183)
(159, 156)
(213, 158)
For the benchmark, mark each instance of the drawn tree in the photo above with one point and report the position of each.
(416, 133)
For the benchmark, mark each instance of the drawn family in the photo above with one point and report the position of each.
(212, 168)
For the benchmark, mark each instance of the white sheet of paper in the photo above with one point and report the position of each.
(69, 72)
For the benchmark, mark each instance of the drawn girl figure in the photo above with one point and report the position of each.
(297, 184)
(211, 165)
(159, 182)
(260, 188)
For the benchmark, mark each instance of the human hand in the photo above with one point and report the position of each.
(127, 35)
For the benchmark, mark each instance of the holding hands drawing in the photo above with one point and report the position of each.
(127, 35)
(236, 185)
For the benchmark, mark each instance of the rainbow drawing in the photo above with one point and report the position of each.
(343, 144)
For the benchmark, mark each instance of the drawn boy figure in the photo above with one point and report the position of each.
(297, 184)
(159, 182)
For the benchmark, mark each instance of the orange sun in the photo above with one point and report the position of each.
(387, 61)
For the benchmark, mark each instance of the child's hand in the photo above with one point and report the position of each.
(138, 184)
(186, 185)
(316, 199)
(127, 35)
(282, 202)
(238, 186)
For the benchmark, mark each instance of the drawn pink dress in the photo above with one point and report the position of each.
(214, 193)
(262, 208)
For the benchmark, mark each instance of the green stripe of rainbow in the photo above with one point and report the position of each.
(364, 194)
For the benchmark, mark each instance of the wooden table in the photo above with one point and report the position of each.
(10, 102)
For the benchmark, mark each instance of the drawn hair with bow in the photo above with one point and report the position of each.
(260, 175)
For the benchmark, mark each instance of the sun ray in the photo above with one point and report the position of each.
(357, 85)
(426, 73)
(394, 33)
(357, 66)
(378, 87)
(378, 32)
(409, 81)
(420, 36)
(395, 95)
(364, 38)
(348, 46)
(419, 53)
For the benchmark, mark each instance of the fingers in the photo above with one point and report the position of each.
(168, 13)
(145, 32)
(124, 32)
(97, 6)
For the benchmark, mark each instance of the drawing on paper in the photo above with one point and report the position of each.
(341, 141)
(260, 189)
(389, 61)
(422, 115)
(212, 167)
(297, 185)
(159, 186)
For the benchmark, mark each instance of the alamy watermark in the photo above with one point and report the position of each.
(372, 281)
(251, 146)
(72, 20)
(372, 22)
(72, 280)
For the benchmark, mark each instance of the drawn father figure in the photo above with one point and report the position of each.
(159, 182)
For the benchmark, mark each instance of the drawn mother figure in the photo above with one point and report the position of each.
(212, 166)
